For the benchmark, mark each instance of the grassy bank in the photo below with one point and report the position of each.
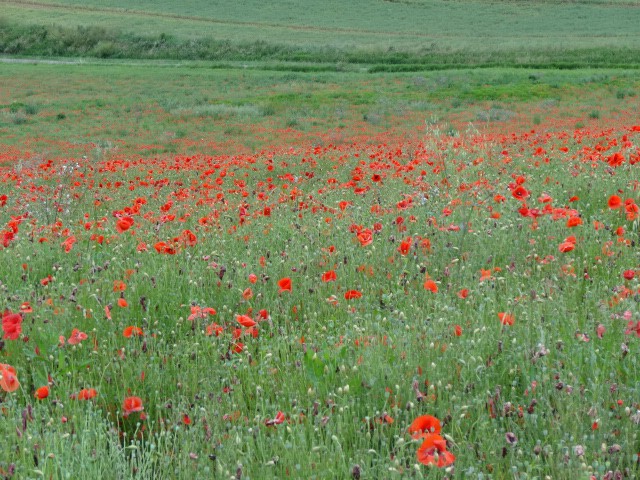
(390, 36)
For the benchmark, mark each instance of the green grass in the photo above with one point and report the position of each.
(427, 34)
(259, 127)
(167, 108)
(334, 371)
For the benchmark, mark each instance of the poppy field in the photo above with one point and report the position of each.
(397, 296)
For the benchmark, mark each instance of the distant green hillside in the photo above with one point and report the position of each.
(426, 33)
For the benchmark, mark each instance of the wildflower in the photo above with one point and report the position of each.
(123, 224)
(277, 420)
(132, 331)
(131, 405)
(574, 222)
(68, 243)
(433, 451)
(352, 294)
(200, 312)
(520, 193)
(214, 329)
(26, 308)
(163, 247)
(76, 337)
(424, 424)
(568, 244)
(42, 393)
(633, 328)
(329, 276)
(85, 394)
(614, 202)
(506, 318)
(365, 237)
(8, 379)
(405, 246)
(284, 284)
(431, 286)
(485, 275)
(245, 321)
(12, 325)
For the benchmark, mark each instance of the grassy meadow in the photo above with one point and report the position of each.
(252, 240)
(397, 35)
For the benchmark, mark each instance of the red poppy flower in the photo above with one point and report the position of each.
(633, 328)
(352, 294)
(405, 246)
(433, 451)
(86, 394)
(485, 274)
(574, 222)
(329, 276)
(26, 308)
(68, 243)
(629, 274)
(431, 286)
(132, 331)
(163, 247)
(76, 337)
(365, 237)
(565, 247)
(8, 379)
(277, 420)
(131, 405)
(284, 284)
(245, 321)
(42, 393)
(123, 224)
(506, 318)
(520, 193)
(188, 238)
(424, 424)
(12, 326)
(464, 293)
(614, 202)
(200, 312)
(214, 329)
